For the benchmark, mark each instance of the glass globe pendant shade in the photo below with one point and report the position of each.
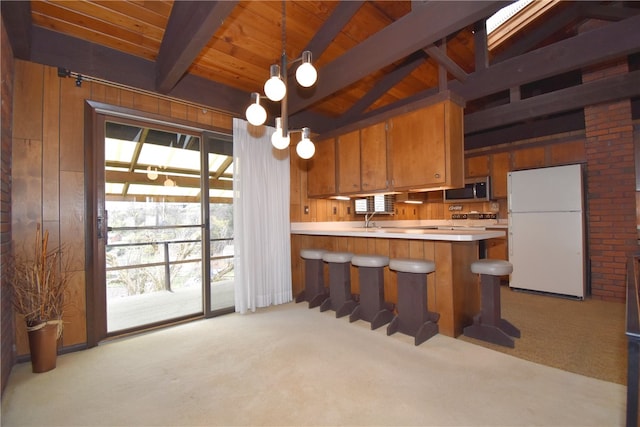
(305, 147)
(274, 88)
(278, 139)
(306, 73)
(256, 114)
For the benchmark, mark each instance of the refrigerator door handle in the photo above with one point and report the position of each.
(510, 243)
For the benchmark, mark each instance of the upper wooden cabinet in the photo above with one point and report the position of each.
(500, 167)
(362, 160)
(321, 170)
(373, 163)
(348, 160)
(421, 149)
(426, 148)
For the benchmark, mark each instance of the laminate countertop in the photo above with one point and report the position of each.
(451, 234)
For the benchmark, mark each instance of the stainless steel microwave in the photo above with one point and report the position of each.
(474, 190)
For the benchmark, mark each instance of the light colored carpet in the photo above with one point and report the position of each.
(288, 365)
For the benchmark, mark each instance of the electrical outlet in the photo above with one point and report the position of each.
(348, 210)
(306, 210)
(335, 210)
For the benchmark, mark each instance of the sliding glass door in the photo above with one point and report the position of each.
(162, 218)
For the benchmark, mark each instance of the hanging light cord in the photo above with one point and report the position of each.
(284, 30)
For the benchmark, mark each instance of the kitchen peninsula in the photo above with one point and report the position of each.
(453, 291)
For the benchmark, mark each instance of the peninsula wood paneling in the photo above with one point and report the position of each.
(443, 294)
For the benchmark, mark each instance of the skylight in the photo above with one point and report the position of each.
(504, 14)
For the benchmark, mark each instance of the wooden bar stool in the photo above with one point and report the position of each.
(413, 318)
(340, 299)
(488, 325)
(372, 307)
(314, 290)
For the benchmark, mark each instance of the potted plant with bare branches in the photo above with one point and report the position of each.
(39, 282)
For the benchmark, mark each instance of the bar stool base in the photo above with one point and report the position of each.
(427, 330)
(492, 334)
(317, 300)
(314, 291)
(381, 318)
(488, 325)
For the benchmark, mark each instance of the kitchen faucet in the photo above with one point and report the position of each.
(367, 219)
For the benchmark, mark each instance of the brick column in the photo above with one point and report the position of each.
(610, 188)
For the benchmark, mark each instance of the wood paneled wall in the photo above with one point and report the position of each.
(48, 166)
(7, 353)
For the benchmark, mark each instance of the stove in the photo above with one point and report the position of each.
(474, 215)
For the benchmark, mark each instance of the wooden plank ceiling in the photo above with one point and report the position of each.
(373, 57)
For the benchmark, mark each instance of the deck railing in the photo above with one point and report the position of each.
(633, 339)
(165, 244)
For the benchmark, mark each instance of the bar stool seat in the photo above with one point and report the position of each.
(488, 325)
(312, 253)
(340, 299)
(413, 317)
(372, 307)
(492, 267)
(314, 290)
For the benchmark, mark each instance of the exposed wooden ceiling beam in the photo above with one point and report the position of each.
(612, 41)
(530, 39)
(560, 101)
(58, 50)
(533, 129)
(191, 26)
(613, 12)
(330, 29)
(480, 46)
(341, 15)
(16, 16)
(384, 85)
(422, 27)
(441, 58)
(615, 40)
(186, 182)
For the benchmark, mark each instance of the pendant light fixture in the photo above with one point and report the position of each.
(276, 90)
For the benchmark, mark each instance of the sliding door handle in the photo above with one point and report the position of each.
(102, 226)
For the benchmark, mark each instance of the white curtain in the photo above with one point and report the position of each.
(262, 245)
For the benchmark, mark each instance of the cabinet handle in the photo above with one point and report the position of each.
(436, 175)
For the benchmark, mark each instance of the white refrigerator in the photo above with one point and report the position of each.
(546, 230)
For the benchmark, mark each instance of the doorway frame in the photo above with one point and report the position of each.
(95, 114)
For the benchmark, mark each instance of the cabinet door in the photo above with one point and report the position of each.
(500, 166)
(349, 162)
(418, 148)
(373, 143)
(321, 169)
